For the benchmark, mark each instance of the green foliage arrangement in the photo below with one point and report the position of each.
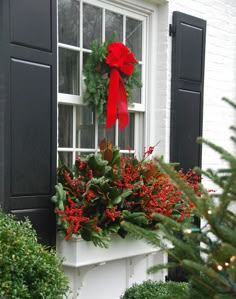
(28, 270)
(107, 188)
(208, 253)
(156, 290)
(96, 73)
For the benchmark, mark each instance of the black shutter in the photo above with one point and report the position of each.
(188, 56)
(28, 111)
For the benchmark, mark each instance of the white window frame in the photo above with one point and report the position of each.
(134, 11)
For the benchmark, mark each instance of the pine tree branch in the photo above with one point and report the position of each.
(150, 237)
(229, 102)
(224, 153)
(205, 285)
(191, 265)
(224, 198)
(162, 266)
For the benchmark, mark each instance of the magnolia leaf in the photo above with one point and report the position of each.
(152, 172)
(116, 157)
(116, 200)
(96, 162)
(114, 228)
(103, 145)
(60, 197)
(126, 193)
(108, 155)
(109, 205)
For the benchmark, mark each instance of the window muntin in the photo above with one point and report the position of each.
(95, 20)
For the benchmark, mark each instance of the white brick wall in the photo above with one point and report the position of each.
(220, 73)
(220, 70)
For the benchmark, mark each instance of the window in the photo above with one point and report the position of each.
(80, 22)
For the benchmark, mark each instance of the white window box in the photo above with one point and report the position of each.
(77, 252)
(109, 270)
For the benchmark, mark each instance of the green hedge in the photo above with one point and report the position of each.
(27, 269)
(156, 290)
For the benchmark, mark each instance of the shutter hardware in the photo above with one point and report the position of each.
(172, 30)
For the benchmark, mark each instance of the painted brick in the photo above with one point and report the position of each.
(220, 72)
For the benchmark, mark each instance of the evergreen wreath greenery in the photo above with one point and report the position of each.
(96, 73)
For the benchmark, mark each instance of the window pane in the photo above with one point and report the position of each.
(134, 37)
(65, 158)
(65, 126)
(68, 71)
(114, 24)
(126, 136)
(108, 134)
(136, 95)
(69, 21)
(92, 24)
(85, 128)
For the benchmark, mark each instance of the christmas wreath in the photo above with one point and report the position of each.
(110, 74)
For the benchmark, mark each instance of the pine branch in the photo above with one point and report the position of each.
(150, 237)
(223, 232)
(233, 128)
(191, 265)
(229, 102)
(224, 198)
(225, 155)
(141, 233)
(233, 139)
(202, 282)
(161, 267)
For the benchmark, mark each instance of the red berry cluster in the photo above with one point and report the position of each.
(105, 187)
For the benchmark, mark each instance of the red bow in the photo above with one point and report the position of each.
(119, 58)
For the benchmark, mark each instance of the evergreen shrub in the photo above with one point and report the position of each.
(156, 290)
(27, 268)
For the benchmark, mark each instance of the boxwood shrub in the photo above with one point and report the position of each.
(156, 290)
(27, 268)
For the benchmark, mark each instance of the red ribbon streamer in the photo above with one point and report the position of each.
(119, 58)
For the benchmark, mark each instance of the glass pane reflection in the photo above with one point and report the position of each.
(65, 158)
(85, 127)
(68, 71)
(114, 25)
(108, 134)
(65, 117)
(126, 136)
(92, 24)
(136, 95)
(69, 22)
(134, 37)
